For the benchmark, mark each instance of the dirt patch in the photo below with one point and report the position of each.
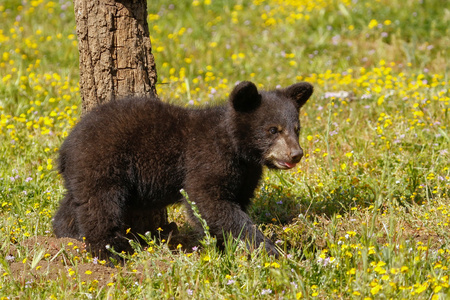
(49, 258)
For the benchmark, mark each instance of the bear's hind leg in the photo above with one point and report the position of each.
(65, 221)
(101, 221)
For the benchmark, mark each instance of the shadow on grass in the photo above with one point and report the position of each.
(289, 211)
(279, 205)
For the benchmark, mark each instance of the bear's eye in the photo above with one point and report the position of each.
(273, 130)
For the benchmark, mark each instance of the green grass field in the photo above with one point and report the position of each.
(366, 213)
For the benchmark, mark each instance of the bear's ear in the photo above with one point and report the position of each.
(299, 92)
(245, 97)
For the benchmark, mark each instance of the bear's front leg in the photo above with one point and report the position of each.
(223, 217)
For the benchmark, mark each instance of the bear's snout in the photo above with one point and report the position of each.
(285, 153)
(296, 154)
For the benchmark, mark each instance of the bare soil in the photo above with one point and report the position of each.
(68, 258)
(60, 258)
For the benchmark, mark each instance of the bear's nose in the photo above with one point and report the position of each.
(296, 155)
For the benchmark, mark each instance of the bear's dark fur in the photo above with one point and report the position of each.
(132, 155)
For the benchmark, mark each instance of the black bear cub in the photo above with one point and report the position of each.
(133, 155)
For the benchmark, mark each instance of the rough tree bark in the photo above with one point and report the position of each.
(115, 50)
(116, 61)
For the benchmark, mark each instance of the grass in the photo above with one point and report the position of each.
(365, 215)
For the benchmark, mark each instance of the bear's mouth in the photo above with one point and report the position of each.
(284, 164)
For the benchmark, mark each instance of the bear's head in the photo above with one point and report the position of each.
(265, 125)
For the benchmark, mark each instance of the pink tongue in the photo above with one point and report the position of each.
(290, 166)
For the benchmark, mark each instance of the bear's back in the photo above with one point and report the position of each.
(138, 143)
(125, 139)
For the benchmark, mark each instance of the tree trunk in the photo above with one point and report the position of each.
(116, 61)
(115, 50)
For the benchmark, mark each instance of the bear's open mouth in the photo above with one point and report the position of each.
(284, 164)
